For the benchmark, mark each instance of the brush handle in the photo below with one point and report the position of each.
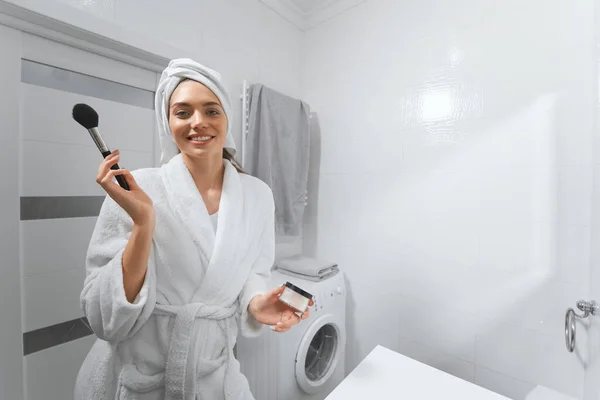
(120, 178)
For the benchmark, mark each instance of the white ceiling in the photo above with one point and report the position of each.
(307, 14)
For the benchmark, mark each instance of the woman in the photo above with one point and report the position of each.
(175, 262)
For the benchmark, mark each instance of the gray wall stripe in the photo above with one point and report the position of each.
(61, 79)
(54, 335)
(60, 207)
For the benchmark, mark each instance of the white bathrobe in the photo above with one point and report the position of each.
(175, 341)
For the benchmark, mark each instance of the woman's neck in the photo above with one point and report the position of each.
(207, 172)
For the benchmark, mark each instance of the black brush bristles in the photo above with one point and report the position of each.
(85, 115)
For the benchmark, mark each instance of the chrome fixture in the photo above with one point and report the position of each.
(588, 307)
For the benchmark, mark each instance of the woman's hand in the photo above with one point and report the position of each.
(268, 310)
(135, 201)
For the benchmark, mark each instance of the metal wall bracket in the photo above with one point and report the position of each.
(588, 308)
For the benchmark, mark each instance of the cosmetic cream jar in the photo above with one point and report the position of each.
(295, 297)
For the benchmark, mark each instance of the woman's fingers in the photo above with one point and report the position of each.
(280, 328)
(127, 175)
(130, 180)
(305, 314)
(108, 178)
(273, 295)
(278, 291)
(106, 174)
(289, 317)
(287, 322)
(105, 166)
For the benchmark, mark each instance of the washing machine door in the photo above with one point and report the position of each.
(319, 353)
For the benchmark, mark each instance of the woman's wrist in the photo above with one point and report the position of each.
(253, 305)
(146, 225)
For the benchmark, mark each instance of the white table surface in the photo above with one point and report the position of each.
(385, 374)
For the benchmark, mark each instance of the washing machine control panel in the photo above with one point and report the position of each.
(325, 298)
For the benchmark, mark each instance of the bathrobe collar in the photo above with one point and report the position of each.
(218, 248)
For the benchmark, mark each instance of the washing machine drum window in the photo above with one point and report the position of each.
(321, 352)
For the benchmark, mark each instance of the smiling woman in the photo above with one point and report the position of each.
(198, 122)
(197, 119)
(177, 261)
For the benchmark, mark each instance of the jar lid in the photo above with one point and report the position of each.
(298, 290)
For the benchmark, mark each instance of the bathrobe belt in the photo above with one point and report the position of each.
(179, 347)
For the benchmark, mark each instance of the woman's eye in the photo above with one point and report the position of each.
(213, 112)
(181, 113)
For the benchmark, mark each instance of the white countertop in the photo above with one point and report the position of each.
(385, 374)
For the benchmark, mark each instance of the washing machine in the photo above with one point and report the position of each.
(306, 362)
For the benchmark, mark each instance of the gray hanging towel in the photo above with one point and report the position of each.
(277, 152)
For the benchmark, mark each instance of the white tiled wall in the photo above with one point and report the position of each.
(456, 181)
(592, 377)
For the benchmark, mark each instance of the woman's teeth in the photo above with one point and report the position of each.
(201, 138)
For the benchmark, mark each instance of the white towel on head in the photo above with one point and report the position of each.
(177, 70)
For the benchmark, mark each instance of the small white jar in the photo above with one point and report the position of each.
(295, 297)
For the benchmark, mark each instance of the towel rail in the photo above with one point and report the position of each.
(588, 307)
(244, 97)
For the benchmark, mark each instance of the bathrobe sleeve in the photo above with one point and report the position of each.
(111, 316)
(261, 269)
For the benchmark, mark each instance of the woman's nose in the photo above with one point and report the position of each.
(197, 120)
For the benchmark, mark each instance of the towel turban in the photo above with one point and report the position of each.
(176, 71)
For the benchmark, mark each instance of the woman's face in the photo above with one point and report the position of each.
(197, 120)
